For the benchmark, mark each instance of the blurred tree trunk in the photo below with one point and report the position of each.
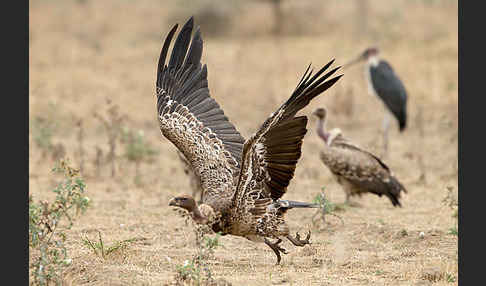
(278, 16)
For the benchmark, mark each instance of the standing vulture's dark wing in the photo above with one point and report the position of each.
(192, 120)
(362, 169)
(391, 90)
(341, 142)
(270, 155)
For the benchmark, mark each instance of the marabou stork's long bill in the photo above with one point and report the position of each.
(242, 180)
(384, 83)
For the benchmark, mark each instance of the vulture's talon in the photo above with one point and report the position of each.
(297, 241)
(276, 248)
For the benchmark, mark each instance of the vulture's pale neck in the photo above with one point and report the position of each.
(198, 217)
(321, 130)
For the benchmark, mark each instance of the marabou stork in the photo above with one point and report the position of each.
(384, 83)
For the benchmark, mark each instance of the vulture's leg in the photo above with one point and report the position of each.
(348, 201)
(276, 248)
(297, 241)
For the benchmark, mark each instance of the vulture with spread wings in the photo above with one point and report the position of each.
(242, 180)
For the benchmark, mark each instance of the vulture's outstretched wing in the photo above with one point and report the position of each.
(192, 120)
(270, 155)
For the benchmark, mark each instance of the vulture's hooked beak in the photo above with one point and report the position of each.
(173, 202)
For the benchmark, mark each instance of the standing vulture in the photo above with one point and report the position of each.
(356, 170)
(242, 180)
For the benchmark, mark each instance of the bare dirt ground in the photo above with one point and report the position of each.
(83, 53)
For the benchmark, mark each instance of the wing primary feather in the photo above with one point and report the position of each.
(204, 106)
(181, 44)
(195, 97)
(301, 102)
(195, 50)
(324, 77)
(302, 79)
(163, 54)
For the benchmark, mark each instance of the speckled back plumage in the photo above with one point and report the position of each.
(359, 171)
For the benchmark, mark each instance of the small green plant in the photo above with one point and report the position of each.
(379, 272)
(326, 207)
(453, 231)
(455, 213)
(48, 223)
(100, 249)
(450, 278)
(137, 150)
(197, 269)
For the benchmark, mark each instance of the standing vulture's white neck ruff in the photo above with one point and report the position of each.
(335, 132)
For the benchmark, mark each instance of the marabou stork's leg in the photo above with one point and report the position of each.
(385, 127)
(297, 241)
(276, 248)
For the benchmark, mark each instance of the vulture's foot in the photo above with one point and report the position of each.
(352, 204)
(348, 202)
(297, 241)
(276, 248)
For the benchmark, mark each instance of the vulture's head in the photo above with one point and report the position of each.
(320, 113)
(188, 203)
(184, 201)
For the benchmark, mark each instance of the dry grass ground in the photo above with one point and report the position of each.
(85, 52)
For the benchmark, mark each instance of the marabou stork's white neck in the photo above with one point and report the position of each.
(373, 60)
